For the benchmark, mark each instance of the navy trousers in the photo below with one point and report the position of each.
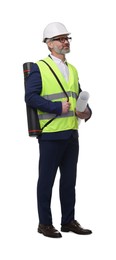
(54, 154)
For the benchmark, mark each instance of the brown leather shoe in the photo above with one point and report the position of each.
(75, 227)
(49, 231)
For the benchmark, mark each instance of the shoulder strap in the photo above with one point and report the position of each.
(57, 79)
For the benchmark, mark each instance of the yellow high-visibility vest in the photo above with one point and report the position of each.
(51, 90)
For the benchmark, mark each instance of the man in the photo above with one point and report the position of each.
(52, 88)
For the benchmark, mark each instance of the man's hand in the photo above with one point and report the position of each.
(83, 115)
(65, 107)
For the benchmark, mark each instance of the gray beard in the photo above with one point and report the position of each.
(63, 51)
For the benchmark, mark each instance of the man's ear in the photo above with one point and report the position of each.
(50, 44)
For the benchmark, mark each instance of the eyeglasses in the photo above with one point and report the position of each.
(62, 39)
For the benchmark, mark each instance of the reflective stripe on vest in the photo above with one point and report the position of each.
(51, 90)
(60, 95)
(50, 116)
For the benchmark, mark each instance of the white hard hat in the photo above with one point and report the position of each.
(54, 29)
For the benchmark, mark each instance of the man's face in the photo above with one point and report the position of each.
(60, 44)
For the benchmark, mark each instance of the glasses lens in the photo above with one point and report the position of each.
(62, 39)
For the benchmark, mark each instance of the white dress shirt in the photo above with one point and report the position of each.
(62, 67)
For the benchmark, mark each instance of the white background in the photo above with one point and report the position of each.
(93, 52)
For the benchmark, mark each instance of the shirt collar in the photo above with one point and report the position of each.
(57, 60)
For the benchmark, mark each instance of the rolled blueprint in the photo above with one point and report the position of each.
(82, 101)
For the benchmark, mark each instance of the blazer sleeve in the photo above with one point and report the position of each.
(87, 104)
(33, 98)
